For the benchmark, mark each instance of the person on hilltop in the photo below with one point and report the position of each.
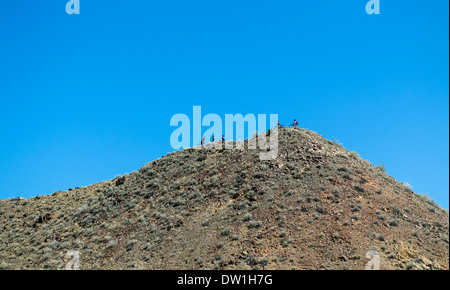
(295, 123)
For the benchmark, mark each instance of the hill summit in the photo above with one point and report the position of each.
(316, 206)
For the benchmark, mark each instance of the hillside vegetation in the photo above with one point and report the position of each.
(317, 206)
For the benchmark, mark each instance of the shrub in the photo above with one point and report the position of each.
(410, 265)
(289, 193)
(393, 222)
(235, 238)
(380, 216)
(254, 224)
(335, 192)
(286, 243)
(149, 247)
(354, 154)
(258, 175)
(247, 217)
(407, 186)
(347, 176)
(355, 217)
(355, 208)
(81, 210)
(321, 209)
(64, 245)
(4, 266)
(358, 188)
(78, 244)
(201, 158)
(381, 167)
(130, 244)
(112, 244)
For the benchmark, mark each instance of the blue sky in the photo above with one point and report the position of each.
(85, 97)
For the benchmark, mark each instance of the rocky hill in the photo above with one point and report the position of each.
(317, 206)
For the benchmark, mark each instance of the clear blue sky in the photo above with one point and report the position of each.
(85, 97)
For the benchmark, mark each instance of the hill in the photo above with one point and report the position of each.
(316, 206)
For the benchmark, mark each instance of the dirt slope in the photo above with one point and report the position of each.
(317, 206)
